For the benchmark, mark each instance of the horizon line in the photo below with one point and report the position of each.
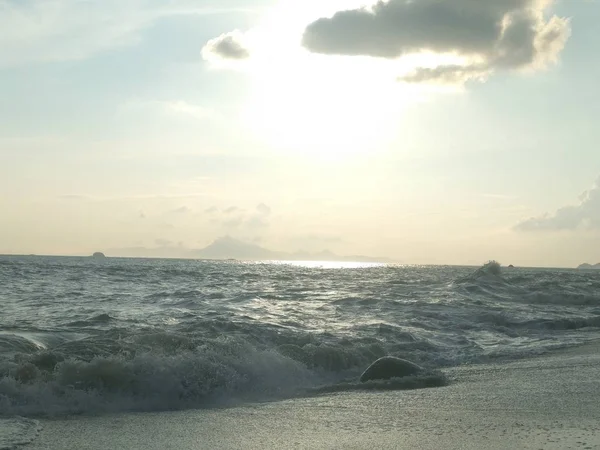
(383, 263)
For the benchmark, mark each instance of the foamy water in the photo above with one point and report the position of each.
(81, 335)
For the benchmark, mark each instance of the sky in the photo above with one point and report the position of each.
(429, 132)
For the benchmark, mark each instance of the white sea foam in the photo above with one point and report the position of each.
(16, 431)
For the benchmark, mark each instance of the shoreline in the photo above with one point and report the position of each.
(549, 401)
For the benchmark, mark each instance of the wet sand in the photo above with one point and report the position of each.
(551, 402)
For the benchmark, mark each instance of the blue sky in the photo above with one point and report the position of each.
(143, 123)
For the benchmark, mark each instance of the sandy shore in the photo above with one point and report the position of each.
(550, 402)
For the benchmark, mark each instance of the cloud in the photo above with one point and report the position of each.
(239, 218)
(163, 242)
(227, 46)
(586, 214)
(236, 222)
(449, 74)
(263, 209)
(120, 198)
(482, 35)
(256, 222)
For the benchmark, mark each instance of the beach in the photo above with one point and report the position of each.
(548, 402)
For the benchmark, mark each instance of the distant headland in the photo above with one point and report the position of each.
(98, 255)
(589, 267)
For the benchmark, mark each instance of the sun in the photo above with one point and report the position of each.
(322, 108)
(330, 106)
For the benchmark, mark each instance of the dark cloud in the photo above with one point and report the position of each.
(227, 46)
(584, 215)
(489, 34)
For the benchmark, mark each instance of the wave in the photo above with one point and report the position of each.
(534, 288)
(11, 344)
(561, 298)
(164, 371)
(52, 384)
(490, 272)
(121, 371)
(100, 319)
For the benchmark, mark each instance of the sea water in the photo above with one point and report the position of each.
(94, 336)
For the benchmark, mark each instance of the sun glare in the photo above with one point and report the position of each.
(320, 105)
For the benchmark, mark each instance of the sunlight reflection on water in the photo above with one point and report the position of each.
(325, 264)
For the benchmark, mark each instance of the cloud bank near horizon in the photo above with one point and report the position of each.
(585, 215)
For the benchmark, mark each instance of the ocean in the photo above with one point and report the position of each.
(102, 336)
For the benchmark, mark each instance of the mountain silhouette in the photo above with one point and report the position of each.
(230, 248)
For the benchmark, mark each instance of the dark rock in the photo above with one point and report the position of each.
(389, 367)
(98, 255)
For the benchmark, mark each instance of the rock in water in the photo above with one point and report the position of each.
(389, 367)
(98, 255)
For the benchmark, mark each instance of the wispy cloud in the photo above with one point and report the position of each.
(94, 198)
(240, 218)
(61, 30)
(174, 108)
(263, 209)
(181, 210)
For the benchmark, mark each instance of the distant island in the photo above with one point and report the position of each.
(98, 255)
(229, 248)
(589, 267)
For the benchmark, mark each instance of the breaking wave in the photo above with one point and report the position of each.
(158, 371)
